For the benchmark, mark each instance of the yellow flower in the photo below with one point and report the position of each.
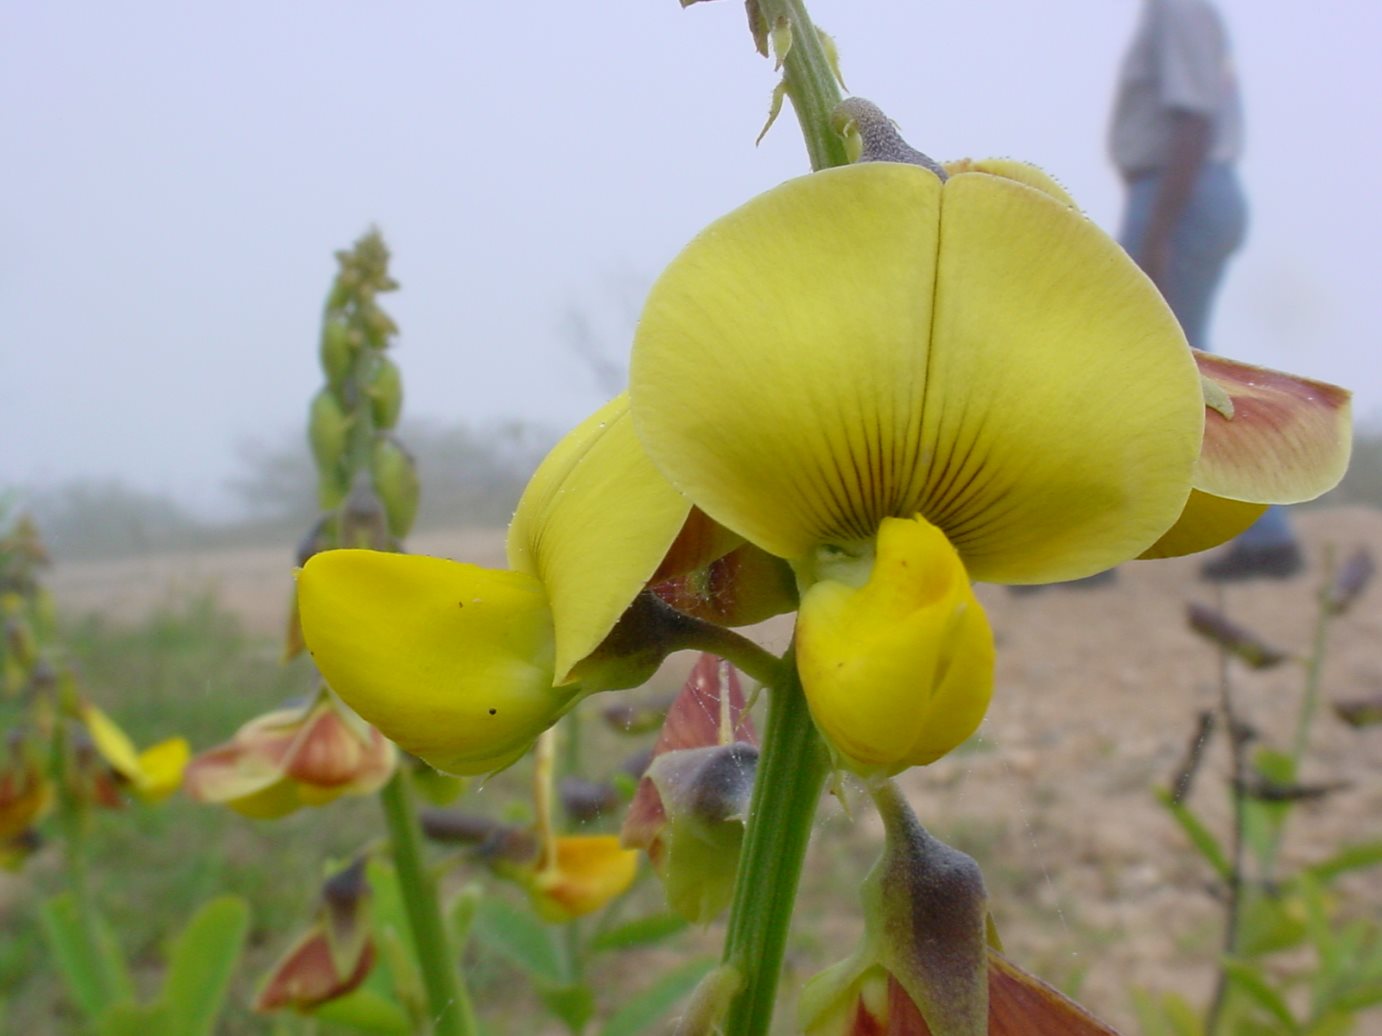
(465, 666)
(152, 774)
(970, 354)
(304, 756)
(580, 875)
(25, 795)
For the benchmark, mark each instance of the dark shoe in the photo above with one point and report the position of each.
(1280, 561)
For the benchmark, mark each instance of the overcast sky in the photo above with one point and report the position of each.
(177, 176)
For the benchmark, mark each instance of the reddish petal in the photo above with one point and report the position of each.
(1288, 439)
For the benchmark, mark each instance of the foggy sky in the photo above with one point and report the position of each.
(177, 176)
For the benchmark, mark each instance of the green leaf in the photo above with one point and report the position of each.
(1360, 998)
(462, 914)
(574, 1005)
(395, 976)
(520, 939)
(645, 931)
(131, 1019)
(1349, 858)
(1269, 924)
(95, 974)
(1332, 1025)
(1249, 980)
(367, 1011)
(201, 963)
(645, 1008)
(1200, 836)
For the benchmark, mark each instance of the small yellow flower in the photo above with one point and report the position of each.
(153, 774)
(581, 875)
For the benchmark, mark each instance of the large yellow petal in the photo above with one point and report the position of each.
(593, 525)
(780, 361)
(1063, 411)
(1287, 440)
(451, 661)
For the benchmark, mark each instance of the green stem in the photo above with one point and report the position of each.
(792, 764)
(791, 770)
(811, 83)
(1313, 669)
(73, 820)
(1238, 801)
(447, 999)
(734, 648)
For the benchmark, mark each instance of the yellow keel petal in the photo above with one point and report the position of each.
(451, 661)
(899, 671)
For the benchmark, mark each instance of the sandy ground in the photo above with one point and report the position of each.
(1097, 696)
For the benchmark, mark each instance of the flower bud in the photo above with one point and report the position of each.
(1349, 582)
(925, 944)
(333, 957)
(328, 429)
(895, 653)
(691, 804)
(385, 391)
(1236, 640)
(364, 520)
(395, 478)
(294, 757)
(337, 351)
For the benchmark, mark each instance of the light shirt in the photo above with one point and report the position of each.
(1179, 61)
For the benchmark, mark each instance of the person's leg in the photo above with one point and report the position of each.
(1211, 230)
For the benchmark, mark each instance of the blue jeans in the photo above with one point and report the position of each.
(1211, 229)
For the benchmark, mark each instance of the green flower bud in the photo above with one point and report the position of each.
(328, 430)
(337, 351)
(379, 327)
(396, 481)
(385, 391)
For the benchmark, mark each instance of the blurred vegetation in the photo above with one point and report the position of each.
(186, 670)
(473, 476)
(1363, 483)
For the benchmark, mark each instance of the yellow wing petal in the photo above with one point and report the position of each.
(1063, 411)
(451, 661)
(593, 525)
(780, 362)
(1207, 521)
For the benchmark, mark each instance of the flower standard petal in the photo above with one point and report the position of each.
(1063, 411)
(780, 361)
(593, 525)
(451, 661)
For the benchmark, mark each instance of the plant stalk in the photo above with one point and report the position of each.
(791, 771)
(811, 83)
(447, 999)
(1238, 770)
